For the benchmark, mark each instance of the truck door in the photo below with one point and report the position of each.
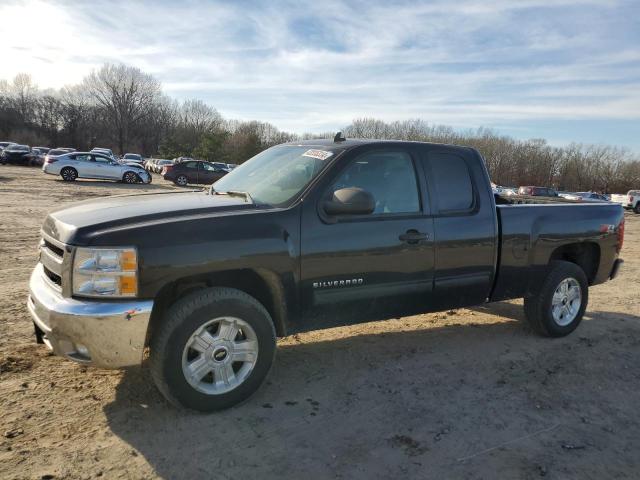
(364, 257)
(465, 225)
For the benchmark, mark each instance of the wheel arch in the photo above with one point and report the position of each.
(263, 285)
(584, 254)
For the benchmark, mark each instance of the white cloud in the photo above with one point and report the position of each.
(319, 64)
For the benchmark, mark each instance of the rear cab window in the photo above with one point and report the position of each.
(450, 179)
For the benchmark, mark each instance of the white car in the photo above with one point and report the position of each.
(94, 165)
(133, 158)
(630, 201)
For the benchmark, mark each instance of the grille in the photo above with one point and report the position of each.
(53, 260)
(54, 248)
(54, 277)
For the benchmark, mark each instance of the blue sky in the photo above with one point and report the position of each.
(564, 70)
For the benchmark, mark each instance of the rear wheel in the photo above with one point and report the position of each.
(557, 307)
(213, 350)
(182, 180)
(130, 177)
(69, 174)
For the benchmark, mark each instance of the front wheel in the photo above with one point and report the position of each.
(130, 177)
(636, 209)
(69, 174)
(556, 308)
(213, 350)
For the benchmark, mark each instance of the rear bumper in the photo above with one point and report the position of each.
(100, 333)
(616, 268)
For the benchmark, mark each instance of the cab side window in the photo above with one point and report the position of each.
(452, 181)
(389, 176)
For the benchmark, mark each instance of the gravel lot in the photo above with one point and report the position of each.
(459, 394)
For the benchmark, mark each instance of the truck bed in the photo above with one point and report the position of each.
(531, 234)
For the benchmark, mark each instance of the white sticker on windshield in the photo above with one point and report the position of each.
(319, 154)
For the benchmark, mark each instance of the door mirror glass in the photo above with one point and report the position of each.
(350, 201)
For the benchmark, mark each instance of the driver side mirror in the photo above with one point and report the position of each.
(350, 201)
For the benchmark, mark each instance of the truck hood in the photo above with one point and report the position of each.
(103, 214)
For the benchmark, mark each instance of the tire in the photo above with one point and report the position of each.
(69, 174)
(195, 335)
(553, 311)
(130, 177)
(181, 180)
(636, 209)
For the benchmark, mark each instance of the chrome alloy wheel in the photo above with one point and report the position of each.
(130, 177)
(566, 301)
(220, 355)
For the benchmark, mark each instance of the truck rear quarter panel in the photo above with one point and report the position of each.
(532, 233)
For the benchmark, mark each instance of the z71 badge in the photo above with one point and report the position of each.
(339, 283)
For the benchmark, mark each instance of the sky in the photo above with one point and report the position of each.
(564, 70)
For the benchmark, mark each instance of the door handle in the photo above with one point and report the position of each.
(413, 236)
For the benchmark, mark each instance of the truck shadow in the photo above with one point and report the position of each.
(514, 311)
(387, 402)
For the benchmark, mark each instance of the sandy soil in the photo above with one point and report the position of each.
(464, 394)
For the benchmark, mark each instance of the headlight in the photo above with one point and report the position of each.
(105, 272)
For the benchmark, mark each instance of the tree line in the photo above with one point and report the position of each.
(123, 108)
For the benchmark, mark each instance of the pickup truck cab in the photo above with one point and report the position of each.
(304, 236)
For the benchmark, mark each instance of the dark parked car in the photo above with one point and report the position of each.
(3, 145)
(40, 153)
(304, 236)
(18, 155)
(194, 171)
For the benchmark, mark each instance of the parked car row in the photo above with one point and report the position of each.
(155, 165)
(535, 191)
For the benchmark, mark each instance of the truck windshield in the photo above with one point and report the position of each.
(277, 175)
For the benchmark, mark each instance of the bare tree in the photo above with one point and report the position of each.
(127, 96)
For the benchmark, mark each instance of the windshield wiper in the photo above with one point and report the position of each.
(238, 193)
(234, 193)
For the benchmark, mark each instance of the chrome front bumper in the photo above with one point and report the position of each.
(107, 334)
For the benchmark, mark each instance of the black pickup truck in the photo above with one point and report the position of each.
(304, 236)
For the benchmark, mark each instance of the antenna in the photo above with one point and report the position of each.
(339, 138)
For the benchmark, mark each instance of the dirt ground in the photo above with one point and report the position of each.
(464, 394)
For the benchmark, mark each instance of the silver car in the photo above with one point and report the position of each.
(94, 165)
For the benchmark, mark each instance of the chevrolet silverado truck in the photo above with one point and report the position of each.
(200, 284)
